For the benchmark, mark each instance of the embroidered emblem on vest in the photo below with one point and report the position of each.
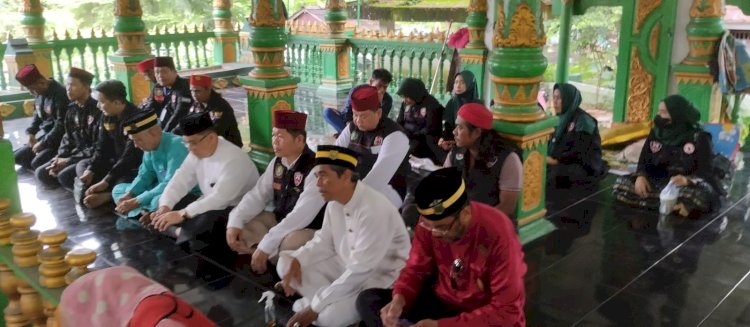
(215, 115)
(298, 178)
(159, 94)
(378, 141)
(278, 171)
(492, 163)
(459, 156)
(354, 136)
(655, 146)
(423, 112)
(688, 148)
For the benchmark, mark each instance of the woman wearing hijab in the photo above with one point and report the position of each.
(421, 116)
(464, 91)
(676, 150)
(575, 149)
(493, 172)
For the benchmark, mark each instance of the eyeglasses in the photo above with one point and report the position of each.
(189, 144)
(442, 230)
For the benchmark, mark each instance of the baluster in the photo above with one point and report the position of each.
(382, 59)
(195, 51)
(400, 56)
(293, 59)
(107, 74)
(319, 64)
(308, 63)
(411, 64)
(178, 61)
(95, 49)
(9, 285)
(186, 47)
(58, 52)
(3, 83)
(441, 78)
(430, 73)
(392, 60)
(353, 64)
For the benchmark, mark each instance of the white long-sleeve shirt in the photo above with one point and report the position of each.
(391, 153)
(368, 235)
(307, 207)
(223, 178)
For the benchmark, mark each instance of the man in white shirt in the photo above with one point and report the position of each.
(381, 144)
(222, 171)
(290, 186)
(363, 242)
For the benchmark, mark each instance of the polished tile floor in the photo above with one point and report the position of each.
(603, 265)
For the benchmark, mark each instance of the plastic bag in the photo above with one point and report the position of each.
(668, 198)
(270, 309)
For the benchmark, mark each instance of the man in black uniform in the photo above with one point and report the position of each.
(50, 104)
(176, 91)
(381, 144)
(82, 122)
(116, 159)
(155, 100)
(222, 114)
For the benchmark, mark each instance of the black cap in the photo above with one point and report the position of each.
(195, 123)
(441, 194)
(164, 62)
(141, 121)
(336, 155)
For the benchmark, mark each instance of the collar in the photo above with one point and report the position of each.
(357, 197)
(287, 165)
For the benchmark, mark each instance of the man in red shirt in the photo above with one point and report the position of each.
(465, 267)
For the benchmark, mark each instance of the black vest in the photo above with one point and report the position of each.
(364, 143)
(482, 181)
(288, 185)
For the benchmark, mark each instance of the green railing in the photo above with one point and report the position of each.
(91, 52)
(304, 57)
(3, 71)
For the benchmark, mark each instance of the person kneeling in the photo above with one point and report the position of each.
(363, 243)
(290, 186)
(465, 268)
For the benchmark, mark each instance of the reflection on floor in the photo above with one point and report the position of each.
(603, 265)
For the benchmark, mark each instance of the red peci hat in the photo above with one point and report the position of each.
(288, 119)
(200, 80)
(476, 114)
(365, 98)
(146, 65)
(28, 75)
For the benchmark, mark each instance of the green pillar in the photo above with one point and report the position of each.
(226, 38)
(130, 32)
(269, 86)
(9, 181)
(474, 55)
(517, 65)
(336, 81)
(563, 49)
(694, 79)
(32, 23)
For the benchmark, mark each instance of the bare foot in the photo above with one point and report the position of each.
(96, 200)
(681, 210)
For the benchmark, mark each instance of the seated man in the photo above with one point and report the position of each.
(50, 105)
(290, 186)
(163, 154)
(379, 79)
(155, 100)
(363, 243)
(381, 144)
(224, 174)
(82, 122)
(465, 267)
(176, 92)
(222, 114)
(115, 158)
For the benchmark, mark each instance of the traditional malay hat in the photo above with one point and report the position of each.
(336, 155)
(365, 98)
(164, 62)
(288, 119)
(476, 114)
(28, 75)
(82, 75)
(146, 65)
(441, 194)
(195, 123)
(142, 121)
(200, 80)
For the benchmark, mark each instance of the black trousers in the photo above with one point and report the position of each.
(426, 306)
(30, 160)
(64, 178)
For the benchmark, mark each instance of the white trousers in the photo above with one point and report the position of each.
(316, 277)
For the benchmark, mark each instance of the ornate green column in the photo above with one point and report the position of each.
(226, 38)
(517, 65)
(694, 79)
(474, 55)
(32, 23)
(563, 49)
(269, 86)
(336, 81)
(9, 181)
(130, 32)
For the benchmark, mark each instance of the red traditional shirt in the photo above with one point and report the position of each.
(489, 289)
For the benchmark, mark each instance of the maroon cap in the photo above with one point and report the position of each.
(146, 65)
(28, 75)
(476, 114)
(288, 119)
(365, 98)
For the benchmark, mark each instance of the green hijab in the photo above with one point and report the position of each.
(412, 88)
(571, 103)
(684, 123)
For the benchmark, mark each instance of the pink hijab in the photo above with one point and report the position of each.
(111, 297)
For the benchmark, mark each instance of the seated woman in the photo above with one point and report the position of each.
(493, 172)
(464, 91)
(421, 116)
(575, 149)
(677, 150)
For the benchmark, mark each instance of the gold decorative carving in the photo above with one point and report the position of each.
(28, 107)
(276, 92)
(472, 58)
(342, 63)
(529, 142)
(140, 88)
(694, 78)
(267, 13)
(640, 85)
(268, 58)
(503, 94)
(31, 304)
(32, 6)
(131, 43)
(477, 6)
(701, 49)
(335, 4)
(499, 24)
(642, 10)
(653, 44)
(7, 109)
(532, 181)
(128, 8)
(707, 9)
(524, 31)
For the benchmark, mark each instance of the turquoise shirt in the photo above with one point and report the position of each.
(157, 168)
